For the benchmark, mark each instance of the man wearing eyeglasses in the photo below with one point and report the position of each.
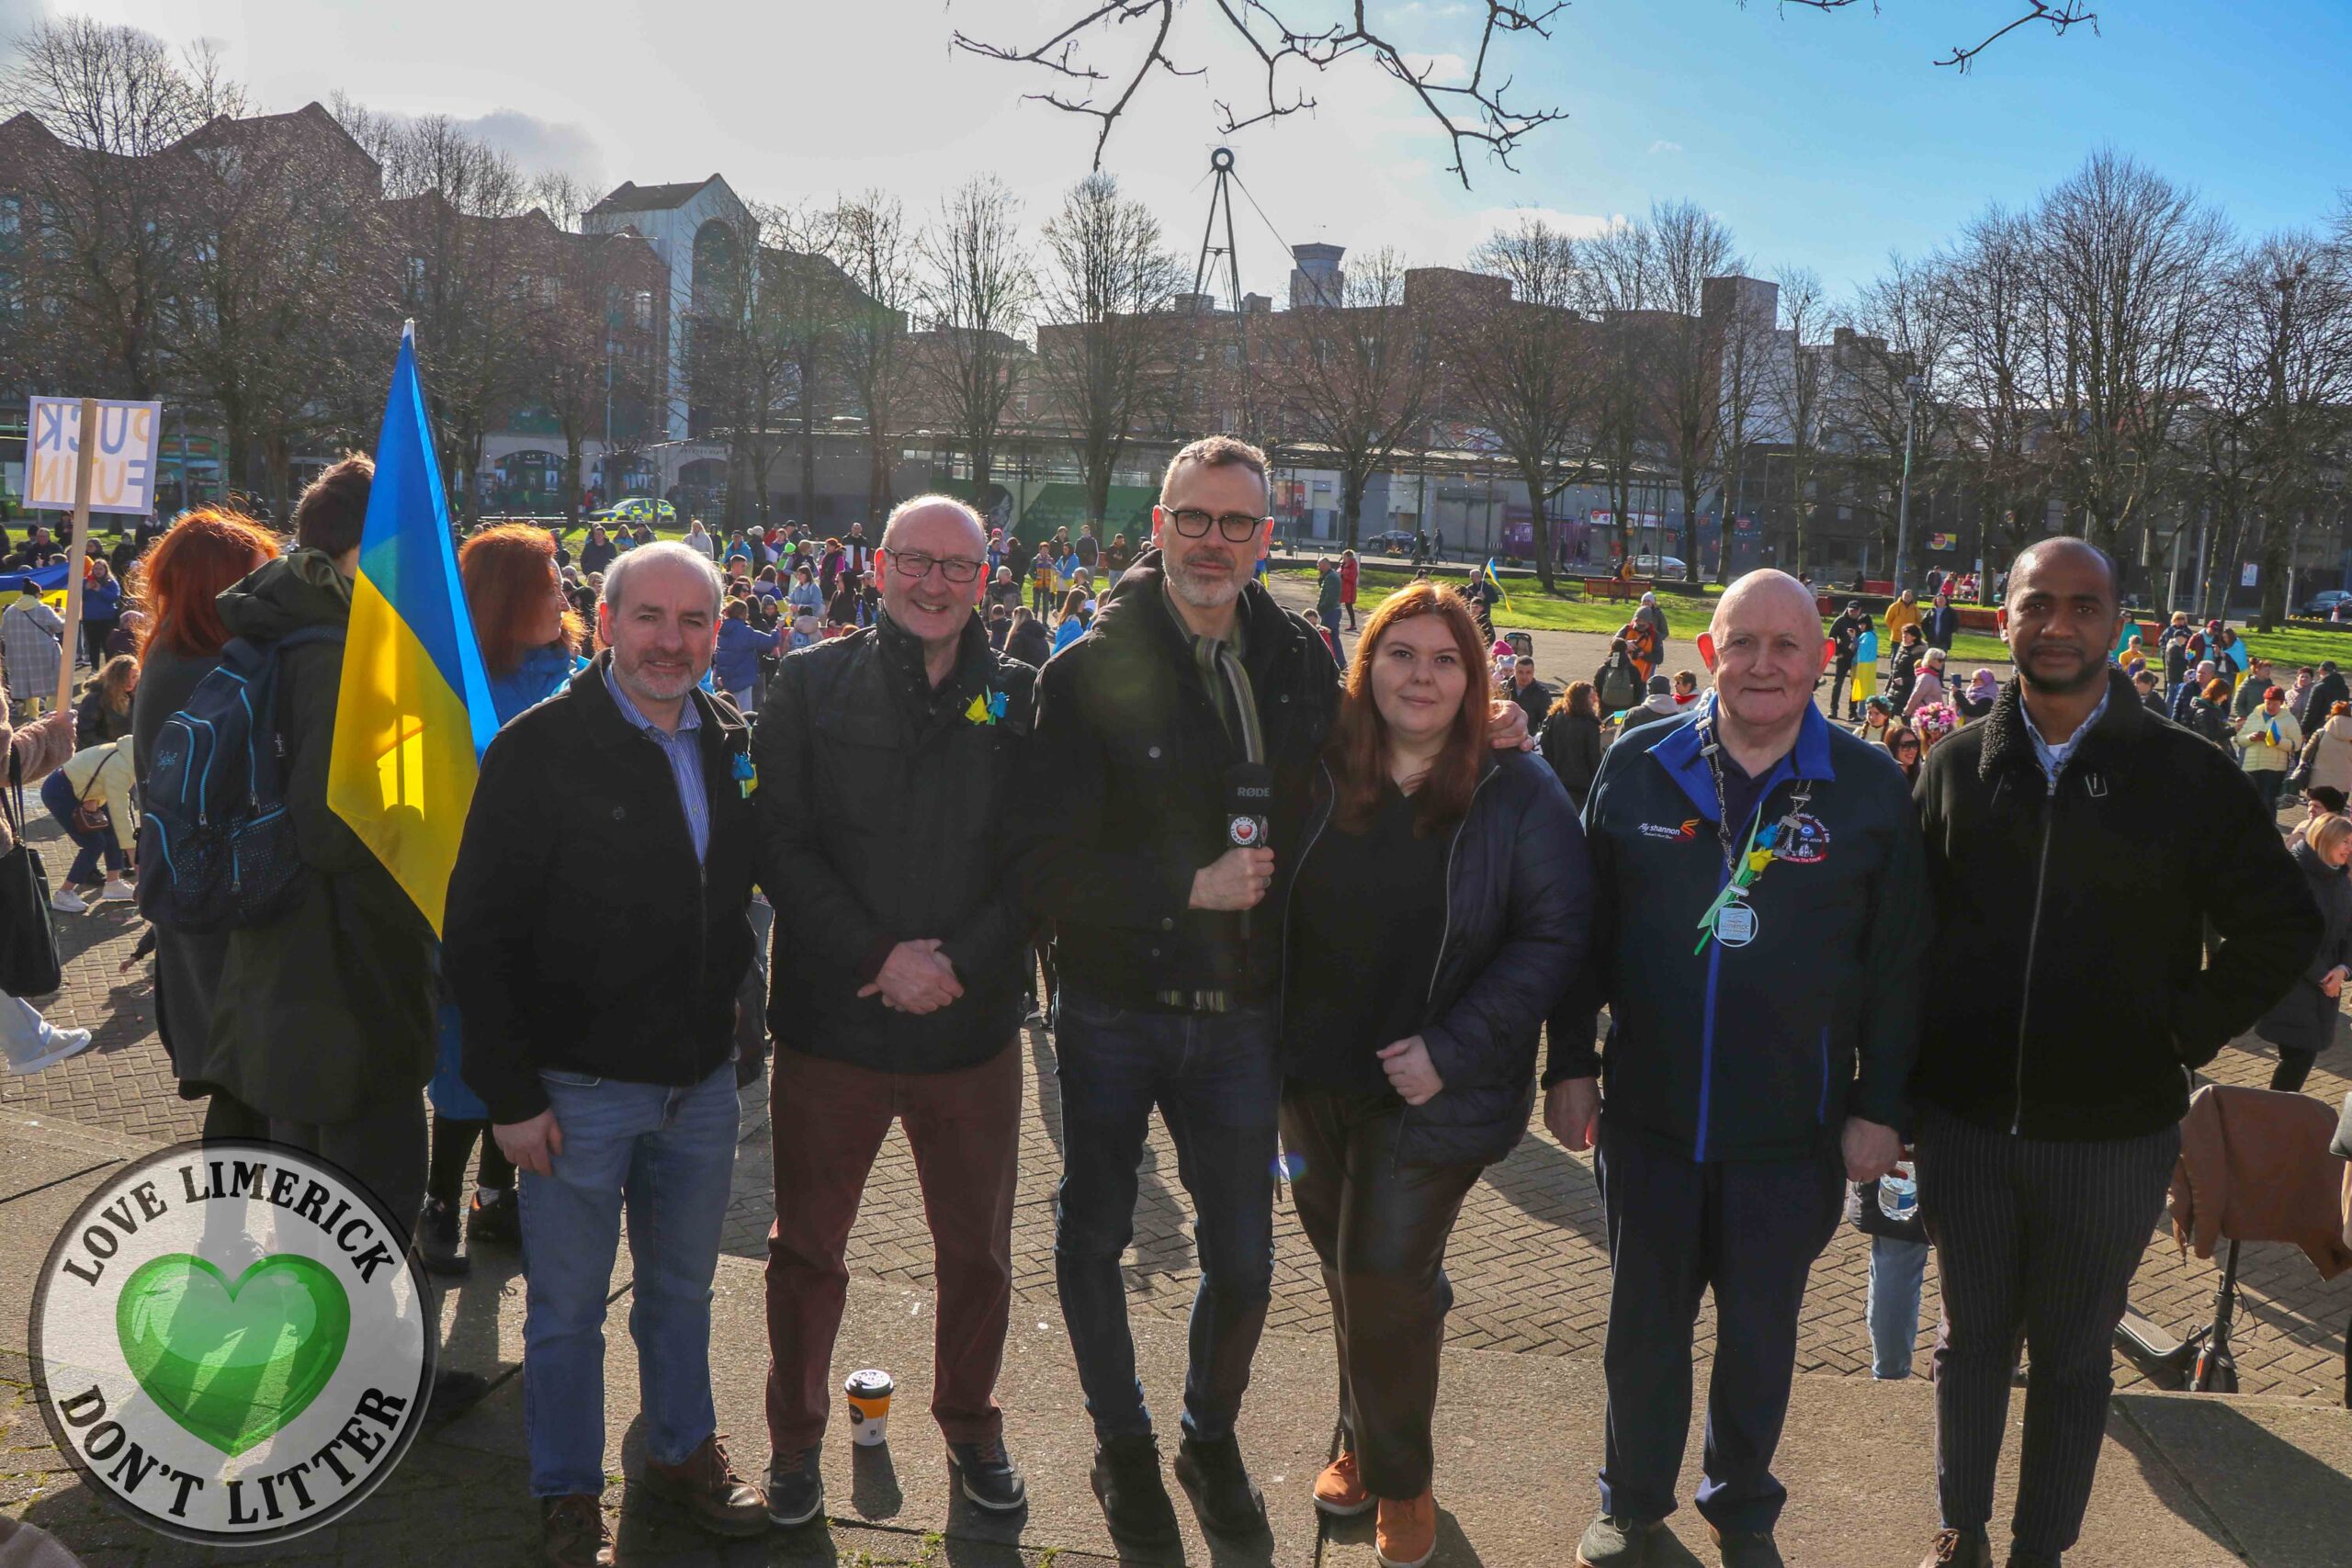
(885, 760)
(1176, 740)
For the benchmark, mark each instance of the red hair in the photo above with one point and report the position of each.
(508, 571)
(177, 580)
(1358, 752)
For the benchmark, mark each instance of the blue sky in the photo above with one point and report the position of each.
(1823, 140)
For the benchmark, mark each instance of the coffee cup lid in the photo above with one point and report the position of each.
(872, 1380)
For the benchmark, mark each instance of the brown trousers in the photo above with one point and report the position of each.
(828, 1120)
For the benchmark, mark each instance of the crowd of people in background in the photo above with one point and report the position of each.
(863, 803)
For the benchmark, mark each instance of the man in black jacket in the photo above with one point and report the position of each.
(619, 805)
(1843, 631)
(1192, 700)
(2321, 700)
(2050, 1101)
(886, 761)
(1758, 927)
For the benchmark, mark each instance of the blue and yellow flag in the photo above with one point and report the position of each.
(1495, 579)
(414, 713)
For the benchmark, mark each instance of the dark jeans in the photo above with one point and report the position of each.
(1213, 1077)
(1380, 1230)
(2294, 1067)
(1841, 686)
(453, 1144)
(57, 793)
(1676, 1228)
(2267, 782)
(828, 1120)
(2041, 1235)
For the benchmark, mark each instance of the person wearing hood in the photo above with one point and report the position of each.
(1658, 707)
(2302, 1023)
(1976, 699)
(322, 1026)
(1650, 615)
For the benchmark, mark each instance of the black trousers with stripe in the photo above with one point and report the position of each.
(2043, 1236)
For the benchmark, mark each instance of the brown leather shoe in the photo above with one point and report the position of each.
(574, 1532)
(1958, 1549)
(1405, 1535)
(707, 1488)
(1339, 1491)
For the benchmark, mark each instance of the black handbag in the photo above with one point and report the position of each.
(29, 962)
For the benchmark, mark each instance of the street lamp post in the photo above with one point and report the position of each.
(1911, 386)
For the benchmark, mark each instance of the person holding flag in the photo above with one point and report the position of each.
(2272, 740)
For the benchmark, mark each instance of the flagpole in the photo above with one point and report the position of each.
(85, 458)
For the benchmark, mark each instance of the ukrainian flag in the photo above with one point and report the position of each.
(414, 715)
(1494, 578)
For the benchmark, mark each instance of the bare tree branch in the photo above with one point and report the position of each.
(2059, 15)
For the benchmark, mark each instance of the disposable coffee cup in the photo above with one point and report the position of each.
(869, 1406)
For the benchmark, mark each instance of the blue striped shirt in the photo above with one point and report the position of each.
(683, 747)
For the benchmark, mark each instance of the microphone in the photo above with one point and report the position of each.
(1249, 799)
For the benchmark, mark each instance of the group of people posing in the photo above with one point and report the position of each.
(1319, 917)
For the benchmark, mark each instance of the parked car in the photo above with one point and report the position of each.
(1395, 542)
(2323, 603)
(636, 509)
(1659, 566)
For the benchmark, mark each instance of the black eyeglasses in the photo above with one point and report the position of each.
(955, 569)
(1239, 527)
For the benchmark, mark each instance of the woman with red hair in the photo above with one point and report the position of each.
(1436, 912)
(528, 634)
(175, 585)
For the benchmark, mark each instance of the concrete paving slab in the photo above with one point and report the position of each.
(27, 1225)
(2275, 1476)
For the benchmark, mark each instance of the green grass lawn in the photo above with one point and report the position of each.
(1531, 609)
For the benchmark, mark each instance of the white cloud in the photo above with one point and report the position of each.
(1662, 145)
(539, 146)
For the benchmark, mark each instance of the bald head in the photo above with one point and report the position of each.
(1764, 597)
(2065, 554)
(946, 526)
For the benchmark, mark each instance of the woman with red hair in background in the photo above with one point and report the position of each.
(529, 636)
(175, 585)
(1436, 912)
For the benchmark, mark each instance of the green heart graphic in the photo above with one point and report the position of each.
(232, 1363)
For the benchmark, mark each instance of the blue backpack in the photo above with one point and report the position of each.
(216, 850)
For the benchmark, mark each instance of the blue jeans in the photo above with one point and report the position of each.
(669, 1154)
(1896, 1268)
(1214, 1080)
(57, 793)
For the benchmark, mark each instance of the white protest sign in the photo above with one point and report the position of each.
(122, 470)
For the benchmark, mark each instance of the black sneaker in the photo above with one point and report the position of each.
(496, 1219)
(1230, 1501)
(989, 1476)
(796, 1489)
(1135, 1500)
(436, 1239)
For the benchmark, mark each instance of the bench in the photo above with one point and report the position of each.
(1616, 587)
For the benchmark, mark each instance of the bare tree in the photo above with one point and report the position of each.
(1619, 289)
(979, 290)
(1354, 378)
(470, 269)
(268, 310)
(111, 99)
(1888, 405)
(2131, 264)
(1099, 54)
(1109, 281)
(1796, 391)
(1521, 363)
(1999, 316)
(877, 249)
(807, 298)
(593, 366)
(2276, 397)
(1688, 246)
(743, 358)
